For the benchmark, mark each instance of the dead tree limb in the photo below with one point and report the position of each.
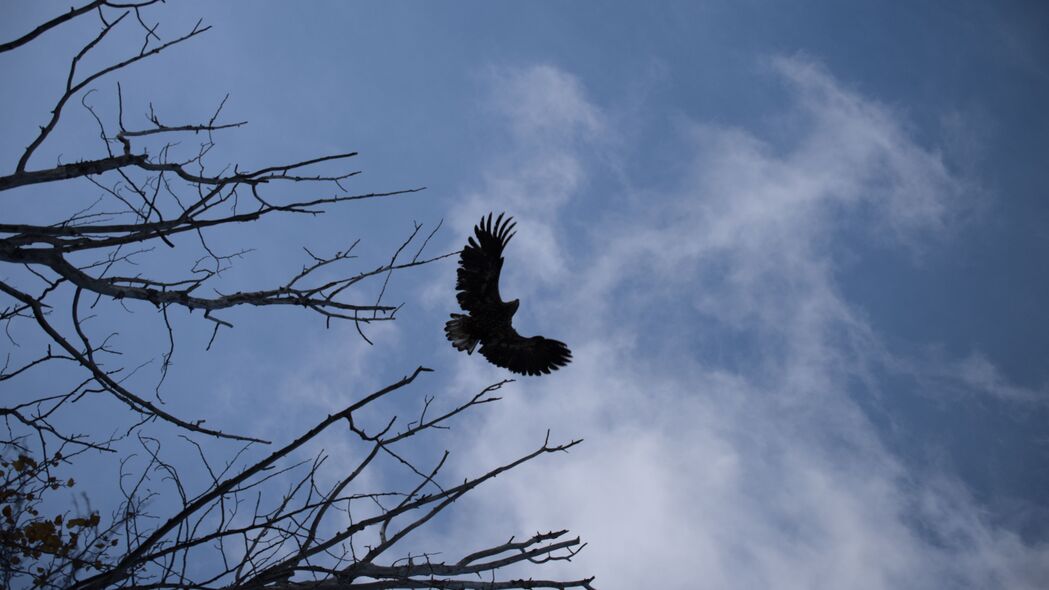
(277, 519)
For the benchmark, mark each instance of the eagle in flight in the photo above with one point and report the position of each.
(488, 319)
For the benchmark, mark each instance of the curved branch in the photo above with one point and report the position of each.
(133, 401)
(72, 89)
(45, 27)
(159, 297)
(134, 557)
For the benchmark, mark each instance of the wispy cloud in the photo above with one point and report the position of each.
(714, 355)
(549, 120)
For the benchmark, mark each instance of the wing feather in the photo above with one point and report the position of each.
(480, 262)
(528, 356)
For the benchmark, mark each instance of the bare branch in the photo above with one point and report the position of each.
(47, 26)
(72, 89)
(254, 519)
(133, 401)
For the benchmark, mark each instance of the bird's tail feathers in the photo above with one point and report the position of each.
(458, 332)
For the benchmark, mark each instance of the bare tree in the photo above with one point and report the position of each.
(261, 520)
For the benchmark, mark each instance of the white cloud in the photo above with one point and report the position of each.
(698, 472)
(533, 177)
(544, 105)
(972, 375)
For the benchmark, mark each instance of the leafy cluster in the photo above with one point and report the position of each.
(47, 548)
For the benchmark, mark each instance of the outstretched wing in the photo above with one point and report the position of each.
(527, 356)
(477, 279)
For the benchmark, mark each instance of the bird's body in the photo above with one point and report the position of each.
(488, 321)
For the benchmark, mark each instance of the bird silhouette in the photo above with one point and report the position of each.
(488, 319)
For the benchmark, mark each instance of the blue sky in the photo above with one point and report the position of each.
(798, 250)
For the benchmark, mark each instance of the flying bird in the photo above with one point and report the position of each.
(488, 322)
